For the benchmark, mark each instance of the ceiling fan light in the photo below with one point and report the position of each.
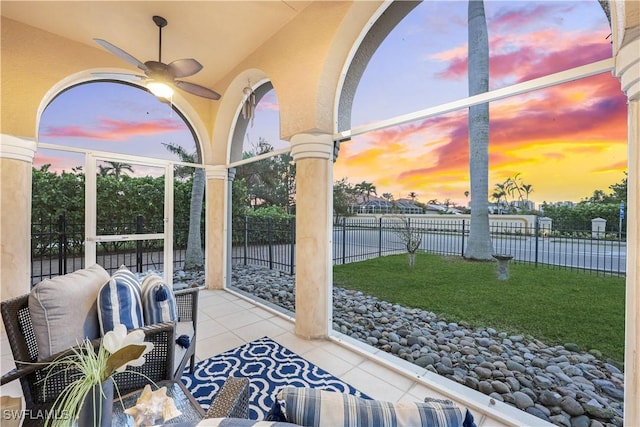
(160, 89)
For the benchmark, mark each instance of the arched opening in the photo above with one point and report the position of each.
(406, 101)
(117, 179)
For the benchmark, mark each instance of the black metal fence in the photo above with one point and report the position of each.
(265, 242)
(57, 247)
(599, 252)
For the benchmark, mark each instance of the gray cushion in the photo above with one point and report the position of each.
(63, 309)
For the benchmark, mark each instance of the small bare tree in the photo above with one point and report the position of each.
(410, 236)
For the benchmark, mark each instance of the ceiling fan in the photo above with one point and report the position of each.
(160, 77)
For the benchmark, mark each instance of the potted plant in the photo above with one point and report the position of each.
(89, 397)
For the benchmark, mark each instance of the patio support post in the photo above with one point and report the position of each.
(216, 226)
(628, 70)
(16, 160)
(313, 154)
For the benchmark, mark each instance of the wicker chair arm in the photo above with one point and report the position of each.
(232, 401)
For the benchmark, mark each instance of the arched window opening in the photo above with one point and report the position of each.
(557, 144)
(141, 151)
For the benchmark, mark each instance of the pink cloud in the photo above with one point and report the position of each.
(114, 130)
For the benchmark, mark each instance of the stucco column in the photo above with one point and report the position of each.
(216, 227)
(628, 70)
(16, 159)
(313, 154)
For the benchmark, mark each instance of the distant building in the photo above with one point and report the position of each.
(377, 205)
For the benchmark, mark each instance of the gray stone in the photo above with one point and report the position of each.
(572, 347)
(523, 401)
(515, 366)
(485, 387)
(424, 361)
(537, 412)
(580, 421)
(514, 384)
(539, 363)
(482, 372)
(471, 382)
(614, 392)
(497, 396)
(571, 406)
(550, 398)
(612, 368)
(500, 387)
(560, 420)
(598, 411)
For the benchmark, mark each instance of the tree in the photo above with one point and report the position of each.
(479, 246)
(365, 189)
(115, 169)
(194, 258)
(513, 186)
(387, 196)
(270, 182)
(412, 196)
(528, 189)
(344, 197)
(410, 236)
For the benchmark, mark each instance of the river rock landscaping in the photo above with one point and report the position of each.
(559, 384)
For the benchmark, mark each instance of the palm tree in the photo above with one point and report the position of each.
(479, 246)
(412, 196)
(366, 189)
(194, 258)
(514, 185)
(103, 171)
(116, 169)
(528, 189)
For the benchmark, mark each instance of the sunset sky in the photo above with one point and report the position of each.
(566, 141)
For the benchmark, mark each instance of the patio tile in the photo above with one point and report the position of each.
(209, 328)
(238, 319)
(388, 375)
(369, 383)
(328, 361)
(295, 343)
(257, 330)
(209, 347)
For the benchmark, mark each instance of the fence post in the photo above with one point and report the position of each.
(292, 234)
(380, 237)
(62, 243)
(270, 238)
(463, 231)
(246, 238)
(344, 240)
(139, 228)
(537, 231)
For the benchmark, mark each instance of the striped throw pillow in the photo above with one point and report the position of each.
(158, 301)
(119, 303)
(314, 407)
(127, 275)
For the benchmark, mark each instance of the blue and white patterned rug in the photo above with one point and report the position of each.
(269, 366)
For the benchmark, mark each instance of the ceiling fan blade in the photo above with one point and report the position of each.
(184, 67)
(121, 54)
(197, 89)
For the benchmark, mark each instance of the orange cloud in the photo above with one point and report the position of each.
(114, 130)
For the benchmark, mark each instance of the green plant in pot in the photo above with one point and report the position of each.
(89, 397)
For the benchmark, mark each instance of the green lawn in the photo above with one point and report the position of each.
(556, 306)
